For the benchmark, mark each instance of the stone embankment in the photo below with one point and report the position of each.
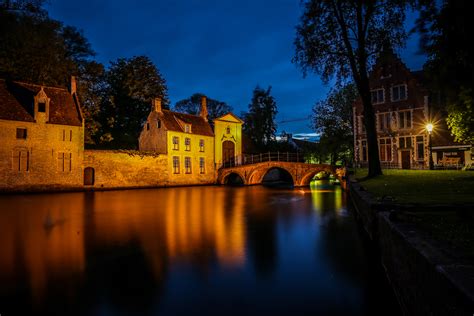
(427, 278)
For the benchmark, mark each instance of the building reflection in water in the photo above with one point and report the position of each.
(47, 238)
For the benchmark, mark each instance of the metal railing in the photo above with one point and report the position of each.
(248, 159)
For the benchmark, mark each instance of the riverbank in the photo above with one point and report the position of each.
(428, 275)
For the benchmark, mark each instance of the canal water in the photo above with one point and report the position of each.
(188, 251)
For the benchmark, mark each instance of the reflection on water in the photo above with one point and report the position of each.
(215, 250)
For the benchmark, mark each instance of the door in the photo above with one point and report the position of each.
(405, 159)
(89, 176)
(228, 152)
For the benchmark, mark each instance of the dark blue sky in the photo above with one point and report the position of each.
(220, 48)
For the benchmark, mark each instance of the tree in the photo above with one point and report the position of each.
(192, 105)
(38, 49)
(333, 119)
(259, 121)
(445, 29)
(131, 85)
(342, 38)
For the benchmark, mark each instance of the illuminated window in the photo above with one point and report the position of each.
(399, 92)
(175, 143)
(65, 162)
(404, 119)
(385, 148)
(201, 145)
(21, 160)
(202, 165)
(21, 133)
(377, 96)
(384, 121)
(187, 164)
(420, 148)
(187, 144)
(175, 164)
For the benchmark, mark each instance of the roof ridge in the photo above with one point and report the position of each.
(181, 113)
(36, 85)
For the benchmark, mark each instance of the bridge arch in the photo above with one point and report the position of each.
(308, 176)
(258, 174)
(233, 178)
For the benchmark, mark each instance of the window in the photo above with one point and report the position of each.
(175, 164)
(187, 144)
(21, 133)
(21, 160)
(70, 135)
(187, 164)
(399, 92)
(158, 124)
(385, 148)
(228, 130)
(420, 148)
(384, 121)
(64, 162)
(404, 119)
(202, 165)
(377, 96)
(361, 124)
(175, 143)
(364, 150)
(404, 142)
(201, 145)
(42, 107)
(187, 128)
(64, 135)
(147, 126)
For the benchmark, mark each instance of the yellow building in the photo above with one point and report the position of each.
(41, 136)
(187, 140)
(194, 150)
(228, 139)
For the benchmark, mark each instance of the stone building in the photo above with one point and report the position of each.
(42, 145)
(41, 136)
(403, 108)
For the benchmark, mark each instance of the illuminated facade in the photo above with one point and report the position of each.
(42, 145)
(403, 107)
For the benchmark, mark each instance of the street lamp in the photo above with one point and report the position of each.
(429, 128)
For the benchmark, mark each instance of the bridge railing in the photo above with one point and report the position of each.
(248, 159)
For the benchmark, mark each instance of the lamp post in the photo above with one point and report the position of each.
(429, 128)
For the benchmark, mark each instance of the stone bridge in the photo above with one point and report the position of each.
(302, 173)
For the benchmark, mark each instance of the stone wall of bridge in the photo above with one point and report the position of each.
(302, 173)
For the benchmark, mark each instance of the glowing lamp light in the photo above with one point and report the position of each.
(429, 127)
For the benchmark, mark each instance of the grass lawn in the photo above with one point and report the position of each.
(422, 186)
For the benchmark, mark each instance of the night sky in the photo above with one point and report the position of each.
(220, 48)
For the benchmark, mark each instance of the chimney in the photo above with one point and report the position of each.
(156, 105)
(73, 87)
(204, 112)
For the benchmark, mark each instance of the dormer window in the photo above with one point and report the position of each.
(378, 96)
(399, 92)
(42, 107)
(187, 128)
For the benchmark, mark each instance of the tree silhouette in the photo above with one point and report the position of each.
(341, 38)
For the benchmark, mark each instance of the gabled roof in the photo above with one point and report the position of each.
(199, 126)
(17, 103)
(229, 117)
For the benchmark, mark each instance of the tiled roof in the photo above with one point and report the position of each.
(198, 124)
(17, 98)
